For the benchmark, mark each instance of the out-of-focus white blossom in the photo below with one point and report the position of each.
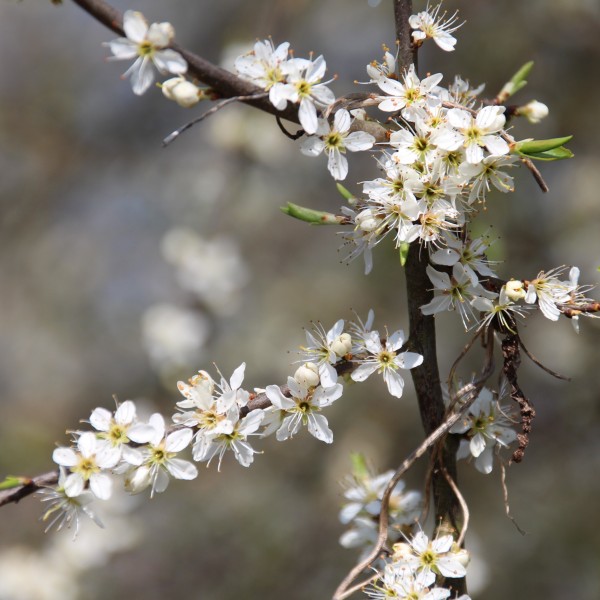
(214, 269)
(173, 336)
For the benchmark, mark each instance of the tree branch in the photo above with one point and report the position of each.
(33, 485)
(426, 378)
(224, 83)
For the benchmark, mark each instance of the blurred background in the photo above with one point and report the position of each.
(125, 267)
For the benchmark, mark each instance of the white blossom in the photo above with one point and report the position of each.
(486, 426)
(87, 466)
(303, 408)
(386, 360)
(64, 510)
(437, 556)
(210, 446)
(160, 459)
(456, 292)
(335, 141)
(429, 24)
(411, 96)
(121, 428)
(549, 292)
(475, 133)
(303, 86)
(262, 66)
(148, 46)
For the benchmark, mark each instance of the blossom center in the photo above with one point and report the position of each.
(117, 434)
(386, 358)
(303, 88)
(86, 467)
(145, 48)
(159, 455)
(334, 140)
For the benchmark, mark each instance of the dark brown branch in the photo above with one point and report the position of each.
(257, 401)
(224, 83)
(33, 485)
(426, 378)
(407, 51)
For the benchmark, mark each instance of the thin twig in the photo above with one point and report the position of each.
(540, 365)
(211, 111)
(505, 496)
(359, 586)
(536, 174)
(463, 505)
(466, 396)
(292, 136)
(463, 353)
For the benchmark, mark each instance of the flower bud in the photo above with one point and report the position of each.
(203, 381)
(366, 221)
(139, 480)
(182, 91)
(515, 290)
(342, 344)
(533, 111)
(307, 375)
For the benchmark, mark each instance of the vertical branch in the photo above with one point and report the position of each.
(407, 53)
(422, 339)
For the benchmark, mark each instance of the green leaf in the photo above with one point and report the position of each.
(360, 470)
(404, 246)
(554, 154)
(548, 150)
(534, 146)
(347, 194)
(314, 217)
(517, 82)
(13, 481)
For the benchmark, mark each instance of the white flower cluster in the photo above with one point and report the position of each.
(364, 492)
(412, 570)
(486, 428)
(214, 418)
(551, 294)
(299, 81)
(416, 561)
(445, 150)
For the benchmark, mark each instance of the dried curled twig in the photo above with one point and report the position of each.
(512, 360)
